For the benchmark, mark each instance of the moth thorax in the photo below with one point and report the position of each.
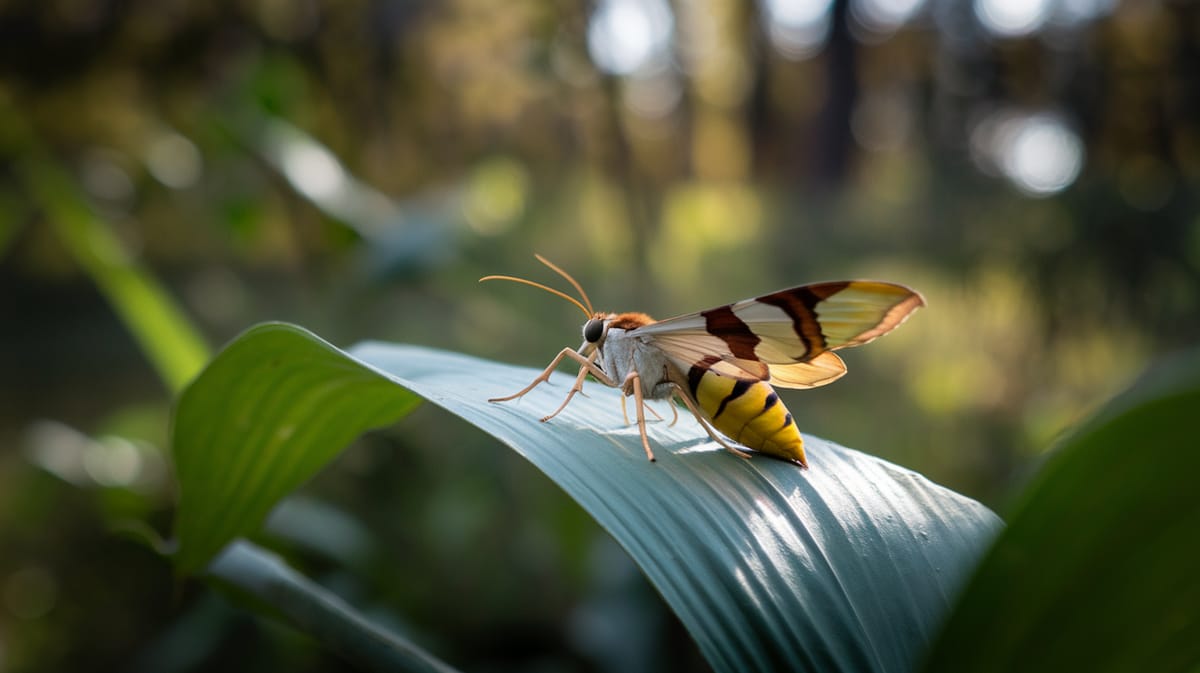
(628, 321)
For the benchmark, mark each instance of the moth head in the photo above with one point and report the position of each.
(594, 332)
(600, 325)
(595, 329)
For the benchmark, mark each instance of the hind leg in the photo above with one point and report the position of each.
(691, 405)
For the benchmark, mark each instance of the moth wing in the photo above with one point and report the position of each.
(863, 311)
(687, 348)
(800, 323)
(825, 368)
(791, 332)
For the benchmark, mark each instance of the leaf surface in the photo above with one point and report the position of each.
(848, 566)
(273, 408)
(1098, 569)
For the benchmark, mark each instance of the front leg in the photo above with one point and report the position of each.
(586, 362)
(587, 365)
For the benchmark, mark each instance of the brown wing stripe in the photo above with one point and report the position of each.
(722, 322)
(739, 389)
(800, 305)
(696, 372)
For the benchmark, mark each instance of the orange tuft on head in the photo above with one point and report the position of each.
(630, 320)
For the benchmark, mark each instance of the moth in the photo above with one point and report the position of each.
(722, 363)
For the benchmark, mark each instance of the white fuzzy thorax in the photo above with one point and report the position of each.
(622, 353)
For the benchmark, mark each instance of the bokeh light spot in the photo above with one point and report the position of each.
(1011, 18)
(174, 161)
(797, 28)
(884, 16)
(1045, 156)
(113, 461)
(627, 36)
(312, 170)
(1039, 153)
(496, 196)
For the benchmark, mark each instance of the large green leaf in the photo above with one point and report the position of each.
(848, 566)
(267, 413)
(1099, 569)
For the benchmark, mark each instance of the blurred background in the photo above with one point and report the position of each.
(174, 172)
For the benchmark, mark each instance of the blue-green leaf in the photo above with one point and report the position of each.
(848, 566)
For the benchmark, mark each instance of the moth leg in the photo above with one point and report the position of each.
(587, 363)
(625, 413)
(670, 401)
(584, 370)
(657, 416)
(704, 424)
(586, 366)
(633, 383)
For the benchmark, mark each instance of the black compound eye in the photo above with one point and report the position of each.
(593, 330)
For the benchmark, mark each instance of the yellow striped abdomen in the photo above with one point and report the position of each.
(748, 412)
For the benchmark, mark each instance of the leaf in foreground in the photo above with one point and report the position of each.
(267, 413)
(849, 566)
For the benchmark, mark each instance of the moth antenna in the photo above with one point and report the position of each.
(551, 290)
(572, 281)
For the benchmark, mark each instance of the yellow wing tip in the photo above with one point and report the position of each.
(895, 302)
(907, 299)
(886, 287)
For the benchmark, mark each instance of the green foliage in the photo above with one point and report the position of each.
(152, 316)
(272, 408)
(848, 566)
(1097, 570)
(272, 587)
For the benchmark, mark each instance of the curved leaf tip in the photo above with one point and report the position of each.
(264, 416)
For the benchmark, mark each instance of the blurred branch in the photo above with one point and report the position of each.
(166, 335)
(268, 581)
